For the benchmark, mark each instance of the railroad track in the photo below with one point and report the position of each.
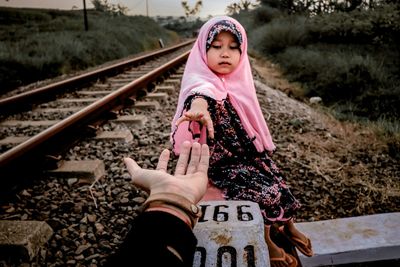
(59, 113)
(89, 211)
(90, 216)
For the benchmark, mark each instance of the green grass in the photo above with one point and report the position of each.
(350, 60)
(276, 36)
(345, 58)
(40, 44)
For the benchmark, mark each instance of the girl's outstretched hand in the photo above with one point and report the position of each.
(199, 112)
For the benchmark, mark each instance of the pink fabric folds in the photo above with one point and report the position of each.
(239, 85)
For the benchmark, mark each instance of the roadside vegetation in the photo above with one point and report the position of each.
(346, 52)
(39, 44)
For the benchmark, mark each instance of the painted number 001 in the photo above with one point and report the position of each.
(227, 256)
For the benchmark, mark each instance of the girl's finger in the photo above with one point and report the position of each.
(180, 120)
(198, 115)
(210, 129)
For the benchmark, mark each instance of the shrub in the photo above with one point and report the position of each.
(281, 33)
(265, 14)
(358, 85)
(379, 102)
(374, 26)
(348, 59)
(332, 75)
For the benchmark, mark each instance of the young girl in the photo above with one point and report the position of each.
(218, 105)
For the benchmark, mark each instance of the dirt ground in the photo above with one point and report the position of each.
(336, 169)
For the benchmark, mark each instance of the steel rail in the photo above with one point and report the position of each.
(11, 103)
(86, 114)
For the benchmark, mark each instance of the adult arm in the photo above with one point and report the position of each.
(157, 238)
(162, 235)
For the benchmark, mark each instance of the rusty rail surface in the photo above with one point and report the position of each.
(10, 161)
(11, 104)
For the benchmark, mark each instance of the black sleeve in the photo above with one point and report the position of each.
(188, 102)
(146, 242)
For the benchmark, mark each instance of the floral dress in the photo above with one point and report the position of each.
(240, 171)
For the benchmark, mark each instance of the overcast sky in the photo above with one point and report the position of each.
(155, 7)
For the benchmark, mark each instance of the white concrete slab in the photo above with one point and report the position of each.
(351, 240)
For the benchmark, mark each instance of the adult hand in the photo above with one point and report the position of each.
(190, 178)
(199, 112)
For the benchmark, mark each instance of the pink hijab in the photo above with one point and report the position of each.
(239, 85)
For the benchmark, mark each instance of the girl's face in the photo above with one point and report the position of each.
(223, 56)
